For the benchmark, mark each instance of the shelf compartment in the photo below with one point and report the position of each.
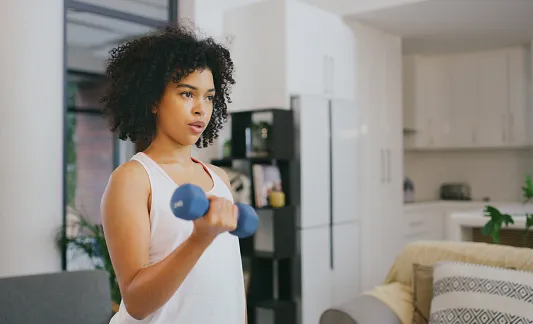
(275, 236)
(275, 312)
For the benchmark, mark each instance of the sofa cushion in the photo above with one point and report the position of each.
(422, 292)
(81, 297)
(466, 293)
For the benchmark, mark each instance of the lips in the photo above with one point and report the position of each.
(197, 127)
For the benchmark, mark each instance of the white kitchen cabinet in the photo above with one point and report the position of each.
(316, 276)
(346, 276)
(518, 121)
(285, 48)
(379, 98)
(468, 100)
(345, 163)
(460, 108)
(492, 99)
(314, 148)
(426, 225)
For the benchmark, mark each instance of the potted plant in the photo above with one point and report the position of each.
(89, 239)
(499, 219)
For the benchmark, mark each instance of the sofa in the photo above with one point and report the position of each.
(398, 299)
(81, 297)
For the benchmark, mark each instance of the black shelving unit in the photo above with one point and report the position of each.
(272, 251)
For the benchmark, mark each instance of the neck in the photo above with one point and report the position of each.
(166, 150)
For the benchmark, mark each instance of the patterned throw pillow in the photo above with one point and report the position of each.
(469, 293)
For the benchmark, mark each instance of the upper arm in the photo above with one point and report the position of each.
(126, 222)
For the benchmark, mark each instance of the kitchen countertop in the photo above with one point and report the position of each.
(459, 223)
(445, 204)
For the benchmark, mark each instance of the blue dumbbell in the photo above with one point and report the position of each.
(189, 202)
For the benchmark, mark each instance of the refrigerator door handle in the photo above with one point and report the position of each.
(325, 74)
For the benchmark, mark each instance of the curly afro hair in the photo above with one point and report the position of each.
(140, 70)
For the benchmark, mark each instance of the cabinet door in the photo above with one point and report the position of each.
(341, 50)
(253, 34)
(435, 86)
(517, 119)
(346, 258)
(393, 143)
(316, 273)
(345, 161)
(491, 128)
(304, 22)
(463, 100)
(312, 118)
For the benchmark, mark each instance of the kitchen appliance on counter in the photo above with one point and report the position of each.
(455, 191)
(408, 190)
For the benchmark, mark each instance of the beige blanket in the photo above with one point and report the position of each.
(396, 290)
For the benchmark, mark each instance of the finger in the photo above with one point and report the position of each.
(235, 212)
(216, 203)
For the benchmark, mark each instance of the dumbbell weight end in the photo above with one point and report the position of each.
(247, 221)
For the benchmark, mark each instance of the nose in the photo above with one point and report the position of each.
(199, 109)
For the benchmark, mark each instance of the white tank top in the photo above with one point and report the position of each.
(213, 292)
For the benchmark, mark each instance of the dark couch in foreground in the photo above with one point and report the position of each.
(81, 297)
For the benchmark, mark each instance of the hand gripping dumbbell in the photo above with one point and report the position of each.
(189, 202)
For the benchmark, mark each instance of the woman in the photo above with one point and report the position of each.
(170, 88)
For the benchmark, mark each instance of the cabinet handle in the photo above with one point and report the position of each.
(504, 128)
(388, 166)
(416, 223)
(382, 165)
(510, 124)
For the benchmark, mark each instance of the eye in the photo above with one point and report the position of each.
(210, 98)
(186, 94)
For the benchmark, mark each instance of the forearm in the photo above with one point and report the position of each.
(154, 285)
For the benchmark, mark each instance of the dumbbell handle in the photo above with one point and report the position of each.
(189, 203)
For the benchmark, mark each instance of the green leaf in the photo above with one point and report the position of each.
(527, 188)
(487, 229)
(507, 219)
(493, 213)
(496, 233)
(529, 223)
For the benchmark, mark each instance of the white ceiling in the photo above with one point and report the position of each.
(91, 36)
(455, 25)
(424, 25)
(351, 7)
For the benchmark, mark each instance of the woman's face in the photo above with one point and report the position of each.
(185, 108)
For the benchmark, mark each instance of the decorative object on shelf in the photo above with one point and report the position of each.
(498, 219)
(276, 199)
(266, 178)
(87, 238)
(260, 139)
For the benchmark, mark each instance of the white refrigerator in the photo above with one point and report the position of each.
(328, 199)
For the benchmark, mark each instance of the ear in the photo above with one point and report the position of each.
(155, 109)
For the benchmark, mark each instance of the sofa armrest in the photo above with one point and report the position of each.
(362, 310)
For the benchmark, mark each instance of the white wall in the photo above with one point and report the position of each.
(498, 174)
(31, 133)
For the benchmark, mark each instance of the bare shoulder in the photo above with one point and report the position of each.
(220, 172)
(127, 180)
(129, 173)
